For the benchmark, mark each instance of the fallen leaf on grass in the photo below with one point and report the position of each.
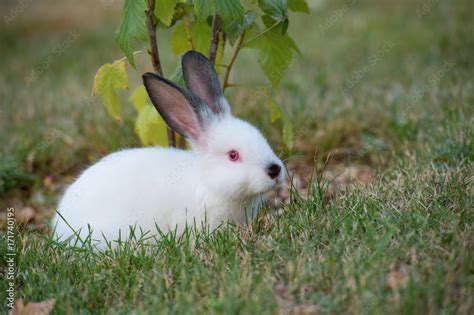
(281, 290)
(40, 308)
(396, 280)
(25, 215)
(305, 309)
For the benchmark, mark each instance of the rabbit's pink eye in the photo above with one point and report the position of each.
(233, 155)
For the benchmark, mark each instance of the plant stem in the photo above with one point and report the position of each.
(261, 33)
(155, 57)
(232, 60)
(214, 44)
(181, 142)
(187, 27)
(134, 53)
(224, 40)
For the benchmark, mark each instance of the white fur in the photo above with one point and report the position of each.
(170, 187)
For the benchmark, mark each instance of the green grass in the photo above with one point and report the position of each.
(403, 244)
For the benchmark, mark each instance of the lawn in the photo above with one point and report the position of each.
(382, 103)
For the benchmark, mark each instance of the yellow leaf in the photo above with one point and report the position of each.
(43, 307)
(108, 79)
(274, 108)
(276, 113)
(150, 127)
(139, 97)
(164, 10)
(200, 33)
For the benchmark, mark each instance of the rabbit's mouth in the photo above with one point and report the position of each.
(274, 183)
(277, 182)
(255, 192)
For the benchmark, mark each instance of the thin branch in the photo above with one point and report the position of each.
(232, 85)
(187, 27)
(224, 40)
(134, 53)
(155, 57)
(214, 44)
(261, 33)
(232, 60)
(150, 23)
(181, 142)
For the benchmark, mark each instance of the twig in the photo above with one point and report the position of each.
(181, 142)
(232, 60)
(187, 27)
(214, 44)
(261, 33)
(232, 85)
(224, 40)
(155, 57)
(222, 49)
(134, 53)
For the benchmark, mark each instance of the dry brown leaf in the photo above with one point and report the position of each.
(48, 182)
(40, 308)
(396, 280)
(306, 309)
(25, 215)
(281, 290)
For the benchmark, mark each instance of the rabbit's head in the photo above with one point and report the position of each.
(235, 159)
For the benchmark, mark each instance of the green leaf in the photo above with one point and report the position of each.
(288, 137)
(276, 112)
(233, 29)
(150, 127)
(284, 26)
(274, 109)
(298, 6)
(139, 97)
(227, 9)
(179, 40)
(177, 76)
(276, 9)
(108, 79)
(268, 21)
(276, 51)
(200, 33)
(164, 10)
(132, 26)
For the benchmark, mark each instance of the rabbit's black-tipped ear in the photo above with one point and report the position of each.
(182, 111)
(202, 80)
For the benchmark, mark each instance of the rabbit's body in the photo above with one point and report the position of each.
(106, 197)
(220, 179)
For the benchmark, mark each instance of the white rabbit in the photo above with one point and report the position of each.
(224, 174)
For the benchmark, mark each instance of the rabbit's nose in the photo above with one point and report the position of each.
(273, 170)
